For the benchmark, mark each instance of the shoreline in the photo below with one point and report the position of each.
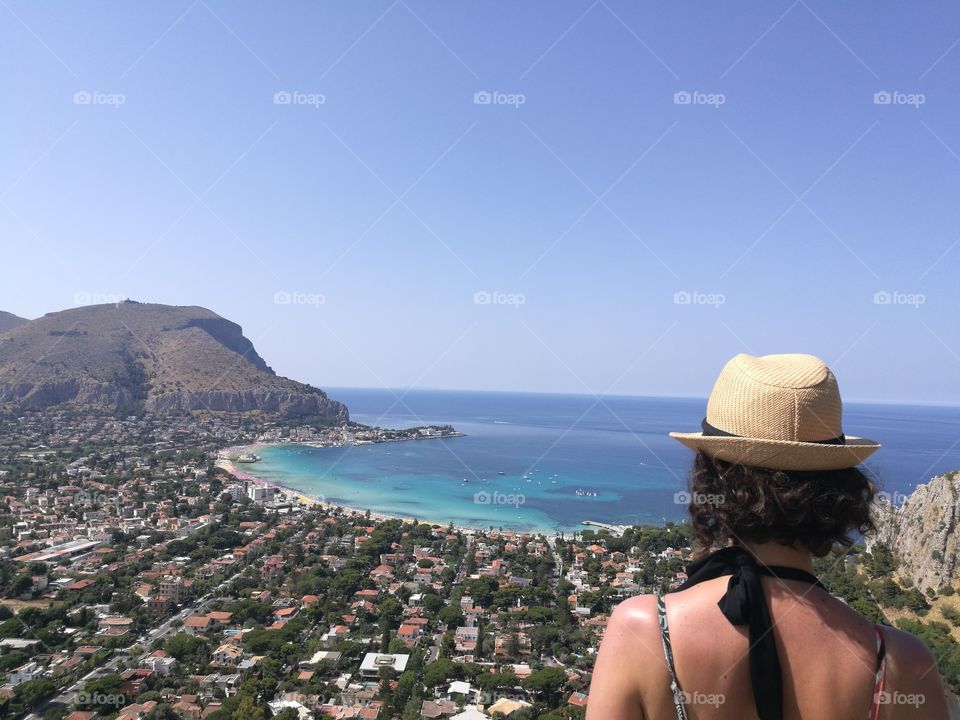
(226, 464)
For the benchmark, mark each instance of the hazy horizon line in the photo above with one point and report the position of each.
(632, 396)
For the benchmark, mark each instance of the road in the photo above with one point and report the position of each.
(68, 696)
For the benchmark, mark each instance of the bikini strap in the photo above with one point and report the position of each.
(678, 702)
(878, 692)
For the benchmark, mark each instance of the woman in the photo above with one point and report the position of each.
(752, 634)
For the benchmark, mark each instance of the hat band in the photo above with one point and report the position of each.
(709, 429)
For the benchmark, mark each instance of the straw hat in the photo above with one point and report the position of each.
(777, 411)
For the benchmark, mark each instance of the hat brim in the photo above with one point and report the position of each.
(780, 454)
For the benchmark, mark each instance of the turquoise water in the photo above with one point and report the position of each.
(563, 459)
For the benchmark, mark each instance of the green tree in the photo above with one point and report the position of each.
(547, 683)
(247, 709)
(33, 692)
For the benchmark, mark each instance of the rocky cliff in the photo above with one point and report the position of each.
(924, 532)
(160, 358)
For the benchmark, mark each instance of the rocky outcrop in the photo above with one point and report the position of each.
(286, 404)
(923, 532)
(40, 395)
(160, 358)
(230, 335)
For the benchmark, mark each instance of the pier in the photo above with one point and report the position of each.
(617, 530)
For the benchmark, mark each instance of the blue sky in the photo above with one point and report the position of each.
(636, 191)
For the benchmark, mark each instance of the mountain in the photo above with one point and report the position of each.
(8, 321)
(160, 358)
(923, 532)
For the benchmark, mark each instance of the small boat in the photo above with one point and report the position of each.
(500, 472)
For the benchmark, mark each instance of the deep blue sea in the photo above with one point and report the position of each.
(548, 462)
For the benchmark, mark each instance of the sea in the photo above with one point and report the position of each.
(547, 463)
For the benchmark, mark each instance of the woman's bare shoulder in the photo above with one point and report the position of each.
(906, 649)
(637, 610)
(633, 629)
(631, 638)
(913, 680)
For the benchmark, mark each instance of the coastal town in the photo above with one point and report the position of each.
(142, 579)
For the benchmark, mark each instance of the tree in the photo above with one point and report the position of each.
(880, 561)
(32, 692)
(546, 682)
(248, 710)
(384, 636)
(185, 647)
(436, 673)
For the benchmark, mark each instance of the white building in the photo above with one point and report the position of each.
(374, 662)
(259, 493)
(24, 673)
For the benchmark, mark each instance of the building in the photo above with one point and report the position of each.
(172, 587)
(24, 673)
(409, 633)
(197, 625)
(465, 638)
(373, 663)
(227, 656)
(159, 662)
(258, 493)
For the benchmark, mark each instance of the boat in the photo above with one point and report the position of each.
(500, 472)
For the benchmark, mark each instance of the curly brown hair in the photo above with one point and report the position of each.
(811, 509)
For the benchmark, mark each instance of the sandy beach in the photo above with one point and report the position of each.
(225, 463)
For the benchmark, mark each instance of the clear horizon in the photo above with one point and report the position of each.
(603, 199)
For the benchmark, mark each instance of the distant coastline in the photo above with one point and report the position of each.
(544, 464)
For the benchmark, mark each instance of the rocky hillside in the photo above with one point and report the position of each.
(8, 321)
(924, 532)
(160, 358)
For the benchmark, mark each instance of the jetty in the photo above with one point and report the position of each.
(616, 530)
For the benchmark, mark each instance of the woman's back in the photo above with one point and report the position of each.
(752, 633)
(827, 651)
